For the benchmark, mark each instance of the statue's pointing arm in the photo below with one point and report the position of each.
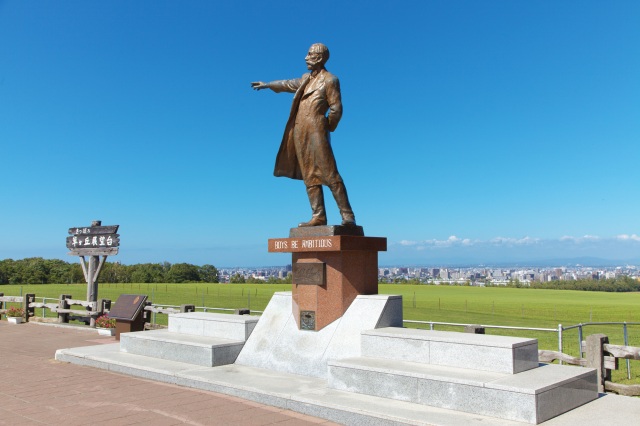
(259, 85)
(278, 85)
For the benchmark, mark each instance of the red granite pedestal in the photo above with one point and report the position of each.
(328, 273)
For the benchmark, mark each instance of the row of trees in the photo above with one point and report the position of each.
(36, 270)
(618, 284)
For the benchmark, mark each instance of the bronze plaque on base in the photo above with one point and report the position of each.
(309, 273)
(307, 320)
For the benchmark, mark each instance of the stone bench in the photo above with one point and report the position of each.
(227, 326)
(500, 354)
(199, 338)
(204, 351)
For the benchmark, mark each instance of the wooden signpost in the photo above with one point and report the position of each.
(93, 241)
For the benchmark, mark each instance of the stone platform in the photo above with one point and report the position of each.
(365, 384)
(313, 396)
(497, 376)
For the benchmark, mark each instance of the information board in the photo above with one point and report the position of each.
(128, 307)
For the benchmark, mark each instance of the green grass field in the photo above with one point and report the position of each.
(520, 307)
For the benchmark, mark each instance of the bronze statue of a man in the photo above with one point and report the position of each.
(305, 152)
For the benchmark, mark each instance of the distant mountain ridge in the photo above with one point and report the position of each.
(540, 263)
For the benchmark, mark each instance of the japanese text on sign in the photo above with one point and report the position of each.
(94, 230)
(100, 241)
(95, 241)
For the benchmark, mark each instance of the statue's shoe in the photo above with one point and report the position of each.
(315, 221)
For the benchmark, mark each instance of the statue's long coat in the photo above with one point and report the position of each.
(305, 152)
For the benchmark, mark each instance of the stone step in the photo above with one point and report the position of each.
(226, 326)
(533, 396)
(197, 350)
(500, 354)
(307, 395)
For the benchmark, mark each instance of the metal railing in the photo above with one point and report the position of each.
(197, 308)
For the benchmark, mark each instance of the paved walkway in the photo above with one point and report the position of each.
(35, 390)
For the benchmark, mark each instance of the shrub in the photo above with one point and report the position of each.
(105, 322)
(15, 312)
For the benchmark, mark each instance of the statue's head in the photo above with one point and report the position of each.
(318, 56)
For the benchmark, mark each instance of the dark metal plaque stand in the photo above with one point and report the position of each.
(129, 313)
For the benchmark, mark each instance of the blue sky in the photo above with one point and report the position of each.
(472, 131)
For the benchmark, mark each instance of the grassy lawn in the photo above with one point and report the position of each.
(520, 307)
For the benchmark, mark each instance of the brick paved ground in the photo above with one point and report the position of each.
(35, 389)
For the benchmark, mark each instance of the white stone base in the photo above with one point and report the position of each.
(277, 344)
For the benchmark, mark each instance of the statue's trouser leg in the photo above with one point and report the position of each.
(340, 194)
(316, 199)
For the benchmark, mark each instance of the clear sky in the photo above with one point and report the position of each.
(473, 131)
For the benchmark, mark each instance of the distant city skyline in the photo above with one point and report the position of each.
(459, 275)
(473, 132)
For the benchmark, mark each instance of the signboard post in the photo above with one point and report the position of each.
(97, 242)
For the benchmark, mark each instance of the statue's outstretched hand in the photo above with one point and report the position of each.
(259, 85)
